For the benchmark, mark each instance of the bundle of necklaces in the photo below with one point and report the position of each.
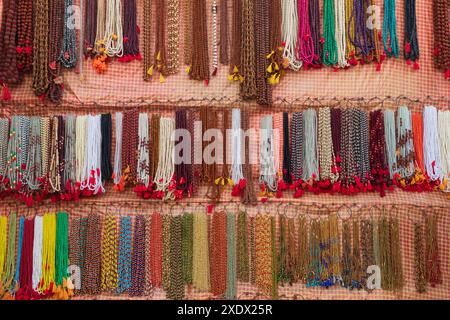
(258, 42)
(52, 256)
(323, 150)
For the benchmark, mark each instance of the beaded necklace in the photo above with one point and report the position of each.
(249, 196)
(24, 45)
(154, 143)
(8, 62)
(274, 282)
(277, 63)
(77, 247)
(248, 84)
(330, 54)
(80, 146)
(433, 265)
(69, 177)
(176, 286)
(405, 146)
(291, 252)
(148, 287)
(113, 29)
(61, 254)
(230, 292)
(188, 25)
(325, 254)
(130, 143)
(26, 262)
(243, 272)
(138, 258)
(411, 43)
(356, 257)
(236, 42)
(33, 167)
(187, 247)
(90, 26)
(215, 55)
(218, 264)
(346, 255)
(289, 31)
(173, 26)
(223, 35)
(361, 40)
(363, 153)
(377, 147)
(55, 36)
(40, 47)
(4, 138)
(341, 33)
(156, 250)
(166, 168)
(305, 42)
(310, 163)
(166, 251)
(335, 248)
(124, 256)
(200, 260)
(68, 55)
(419, 259)
(16, 282)
(262, 48)
(7, 275)
(268, 173)
(181, 169)
(417, 125)
(199, 69)
(148, 59)
(397, 270)
(109, 254)
(350, 32)
(3, 241)
(432, 156)
(367, 248)
(92, 259)
(117, 173)
(48, 252)
(160, 40)
(282, 276)
(441, 34)
(142, 175)
(91, 182)
(287, 177)
(389, 132)
(348, 160)
(444, 146)
(236, 161)
(314, 21)
(302, 249)
(106, 133)
(297, 145)
(54, 176)
(14, 152)
(263, 254)
(252, 249)
(389, 32)
(327, 162)
(130, 32)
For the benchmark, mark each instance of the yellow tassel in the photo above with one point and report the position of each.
(70, 285)
(235, 69)
(231, 77)
(241, 78)
(188, 69)
(158, 56)
(276, 66)
(150, 71)
(270, 68)
(270, 55)
(217, 181)
(161, 78)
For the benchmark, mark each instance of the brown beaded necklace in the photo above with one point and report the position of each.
(173, 18)
(199, 69)
(148, 288)
(40, 47)
(160, 56)
(25, 35)
(419, 259)
(187, 15)
(356, 256)
(292, 258)
(243, 272)
(367, 254)
(91, 279)
(154, 144)
(303, 250)
(441, 34)
(263, 254)
(130, 142)
(156, 250)
(8, 64)
(148, 59)
(176, 286)
(224, 47)
(218, 255)
(249, 196)
(236, 39)
(248, 85)
(55, 36)
(433, 266)
(166, 249)
(262, 49)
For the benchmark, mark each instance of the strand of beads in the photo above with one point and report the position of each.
(124, 256)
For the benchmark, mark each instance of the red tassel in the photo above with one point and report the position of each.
(6, 95)
(416, 66)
